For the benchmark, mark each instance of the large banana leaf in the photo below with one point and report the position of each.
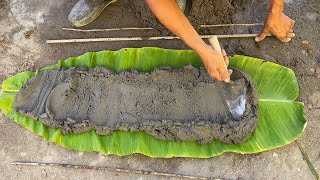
(281, 118)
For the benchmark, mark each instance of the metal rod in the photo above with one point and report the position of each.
(133, 171)
(102, 30)
(227, 25)
(149, 28)
(143, 38)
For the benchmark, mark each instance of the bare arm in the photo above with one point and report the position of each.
(277, 23)
(169, 14)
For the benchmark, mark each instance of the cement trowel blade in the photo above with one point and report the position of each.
(235, 94)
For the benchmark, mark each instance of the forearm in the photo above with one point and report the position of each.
(169, 14)
(276, 6)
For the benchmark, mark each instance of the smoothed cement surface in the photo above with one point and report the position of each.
(169, 104)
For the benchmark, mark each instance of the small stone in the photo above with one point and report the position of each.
(309, 106)
(315, 100)
(28, 34)
(305, 42)
(44, 173)
(317, 71)
(304, 52)
(312, 70)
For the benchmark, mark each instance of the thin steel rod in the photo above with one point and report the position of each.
(226, 25)
(102, 30)
(149, 28)
(143, 38)
(122, 170)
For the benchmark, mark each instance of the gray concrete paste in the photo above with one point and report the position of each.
(169, 104)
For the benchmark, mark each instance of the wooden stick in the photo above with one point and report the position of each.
(143, 38)
(214, 42)
(122, 170)
(149, 28)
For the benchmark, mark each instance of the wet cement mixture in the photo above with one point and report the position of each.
(169, 104)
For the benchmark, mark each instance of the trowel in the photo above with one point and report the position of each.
(234, 92)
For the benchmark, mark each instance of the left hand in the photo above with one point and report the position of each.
(279, 25)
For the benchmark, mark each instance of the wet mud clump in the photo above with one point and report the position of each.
(199, 12)
(169, 104)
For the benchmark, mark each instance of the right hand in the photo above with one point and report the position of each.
(215, 63)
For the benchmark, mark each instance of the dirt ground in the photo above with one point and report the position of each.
(26, 24)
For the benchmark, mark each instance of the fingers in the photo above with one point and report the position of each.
(214, 73)
(227, 80)
(224, 74)
(219, 74)
(262, 35)
(291, 35)
(292, 22)
(225, 57)
(288, 37)
(285, 39)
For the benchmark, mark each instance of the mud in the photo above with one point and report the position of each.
(180, 105)
(200, 12)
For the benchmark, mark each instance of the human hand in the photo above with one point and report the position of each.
(216, 64)
(279, 25)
